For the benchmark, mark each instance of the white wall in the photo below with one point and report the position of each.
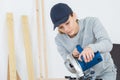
(106, 10)
(18, 8)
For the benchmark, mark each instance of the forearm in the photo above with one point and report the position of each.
(103, 42)
(102, 46)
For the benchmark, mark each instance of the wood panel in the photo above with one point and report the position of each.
(28, 48)
(39, 38)
(44, 39)
(11, 58)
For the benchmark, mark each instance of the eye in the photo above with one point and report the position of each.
(61, 27)
(67, 23)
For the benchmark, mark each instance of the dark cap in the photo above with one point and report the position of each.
(60, 14)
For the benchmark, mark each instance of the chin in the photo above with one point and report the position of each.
(71, 35)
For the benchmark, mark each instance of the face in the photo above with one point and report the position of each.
(70, 27)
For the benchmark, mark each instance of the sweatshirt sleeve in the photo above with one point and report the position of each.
(103, 42)
(61, 49)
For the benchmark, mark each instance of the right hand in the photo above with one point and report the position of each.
(75, 53)
(87, 53)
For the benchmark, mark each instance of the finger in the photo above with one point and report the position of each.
(93, 54)
(84, 57)
(75, 54)
(80, 57)
(88, 57)
(89, 54)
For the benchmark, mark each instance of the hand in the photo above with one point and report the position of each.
(87, 53)
(75, 53)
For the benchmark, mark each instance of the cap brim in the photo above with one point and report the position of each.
(61, 21)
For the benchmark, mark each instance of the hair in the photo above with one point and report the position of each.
(61, 31)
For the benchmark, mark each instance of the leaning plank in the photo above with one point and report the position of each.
(11, 60)
(39, 38)
(28, 48)
(18, 77)
(44, 39)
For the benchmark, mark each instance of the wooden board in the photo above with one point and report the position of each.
(44, 39)
(28, 48)
(39, 38)
(11, 60)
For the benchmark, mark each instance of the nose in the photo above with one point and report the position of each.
(66, 28)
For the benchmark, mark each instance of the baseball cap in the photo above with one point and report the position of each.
(60, 14)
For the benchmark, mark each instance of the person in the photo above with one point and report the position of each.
(89, 33)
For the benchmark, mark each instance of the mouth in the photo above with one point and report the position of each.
(69, 32)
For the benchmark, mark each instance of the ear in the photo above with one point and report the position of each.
(74, 16)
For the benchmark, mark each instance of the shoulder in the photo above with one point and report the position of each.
(87, 21)
(59, 37)
(90, 19)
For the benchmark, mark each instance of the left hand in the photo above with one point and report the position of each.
(87, 53)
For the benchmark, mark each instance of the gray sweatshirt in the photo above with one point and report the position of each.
(92, 34)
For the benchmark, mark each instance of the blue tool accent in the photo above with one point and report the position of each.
(97, 58)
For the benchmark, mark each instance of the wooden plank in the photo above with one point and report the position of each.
(18, 77)
(28, 48)
(8, 77)
(39, 39)
(11, 60)
(44, 39)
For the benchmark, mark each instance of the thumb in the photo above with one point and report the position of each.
(79, 58)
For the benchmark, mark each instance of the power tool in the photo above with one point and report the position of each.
(79, 67)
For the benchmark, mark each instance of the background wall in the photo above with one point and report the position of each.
(18, 8)
(106, 10)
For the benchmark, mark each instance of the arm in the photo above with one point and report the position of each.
(103, 43)
(61, 49)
